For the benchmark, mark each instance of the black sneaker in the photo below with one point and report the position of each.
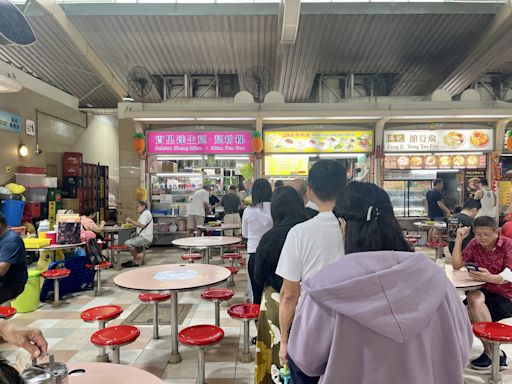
(129, 264)
(482, 362)
(503, 361)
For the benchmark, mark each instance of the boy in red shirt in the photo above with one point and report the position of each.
(492, 253)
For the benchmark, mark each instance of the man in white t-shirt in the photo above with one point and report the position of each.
(144, 236)
(199, 206)
(311, 245)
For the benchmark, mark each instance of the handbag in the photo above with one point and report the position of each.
(93, 252)
(68, 233)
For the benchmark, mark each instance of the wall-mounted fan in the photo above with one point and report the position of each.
(139, 81)
(257, 81)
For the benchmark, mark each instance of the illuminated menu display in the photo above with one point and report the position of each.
(286, 165)
(434, 161)
(318, 141)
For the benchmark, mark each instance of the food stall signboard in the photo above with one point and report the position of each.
(198, 143)
(447, 140)
(318, 141)
(434, 161)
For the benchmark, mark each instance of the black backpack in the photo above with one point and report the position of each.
(93, 251)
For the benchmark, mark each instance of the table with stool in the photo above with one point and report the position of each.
(172, 279)
(219, 228)
(463, 281)
(123, 234)
(206, 242)
(54, 248)
(87, 373)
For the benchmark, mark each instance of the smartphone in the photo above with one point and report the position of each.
(472, 267)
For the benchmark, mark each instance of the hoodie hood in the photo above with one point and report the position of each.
(393, 293)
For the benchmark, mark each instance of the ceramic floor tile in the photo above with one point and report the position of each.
(155, 368)
(44, 323)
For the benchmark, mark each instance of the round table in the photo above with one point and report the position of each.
(219, 228)
(119, 230)
(436, 224)
(206, 242)
(109, 373)
(462, 280)
(172, 278)
(55, 247)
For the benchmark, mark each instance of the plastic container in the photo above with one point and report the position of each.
(13, 212)
(31, 243)
(50, 182)
(36, 170)
(28, 301)
(36, 194)
(30, 179)
(44, 226)
(52, 235)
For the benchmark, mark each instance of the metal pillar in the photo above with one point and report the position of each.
(175, 356)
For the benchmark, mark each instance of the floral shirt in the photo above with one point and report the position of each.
(494, 261)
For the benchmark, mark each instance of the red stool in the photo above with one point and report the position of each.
(102, 315)
(117, 249)
(439, 247)
(201, 336)
(495, 334)
(246, 313)
(217, 295)
(56, 275)
(154, 298)
(231, 257)
(98, 268)
(115, 337)
(191, 257)
(231, 279)
(237, 247)
(7, 312)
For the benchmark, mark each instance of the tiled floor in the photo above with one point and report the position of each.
(68, 336)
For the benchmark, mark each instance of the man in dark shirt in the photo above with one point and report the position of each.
(13, 264)
(231, 203)
(464, 218)
(436, 208)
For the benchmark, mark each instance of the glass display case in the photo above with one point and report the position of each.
(170, 196)
(408, 196)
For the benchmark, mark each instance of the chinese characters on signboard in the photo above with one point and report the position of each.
(194, 143)
(318, 141)
(439, 140)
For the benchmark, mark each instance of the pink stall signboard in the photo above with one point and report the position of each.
(194, 143)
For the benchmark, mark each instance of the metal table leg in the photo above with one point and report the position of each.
(175, 356)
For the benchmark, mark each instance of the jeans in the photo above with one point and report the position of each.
(299, 377)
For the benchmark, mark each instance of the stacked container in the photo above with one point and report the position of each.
(72, 182)
(33, 178)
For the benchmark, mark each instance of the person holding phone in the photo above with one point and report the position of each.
(486, 258)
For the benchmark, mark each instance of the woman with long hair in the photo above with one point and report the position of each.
(381, 313)
(255, 222)
(287, 209)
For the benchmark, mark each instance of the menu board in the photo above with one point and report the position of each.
(318, 141)
(447, 140)
(199, 143)
(286, 165)
(505, 188)
(434, 161)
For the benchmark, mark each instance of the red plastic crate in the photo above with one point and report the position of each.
(33, 170)
(32, 209)
(72, 158)
(72, 170)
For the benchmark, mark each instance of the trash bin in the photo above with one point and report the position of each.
(13, 212)
(28, 301)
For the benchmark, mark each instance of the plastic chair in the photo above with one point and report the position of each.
(154, 298)
(56, 275)
(231, 280)
(115, 337)
(191, 257)
(97, 269)
(217, 295)
(245, 313)
(102, 314)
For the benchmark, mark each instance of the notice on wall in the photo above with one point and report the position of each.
(10, 122)
(505, 188)
(199, 143)
(471, 184)
(286, 165)
(443, 140)
(318, 141)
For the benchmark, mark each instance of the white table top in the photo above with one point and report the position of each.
(117, 229)
(172, 277)
(56, 247)
(206, 241)
(220, 227)
(462, 279)
(110, 373)
(436, 224)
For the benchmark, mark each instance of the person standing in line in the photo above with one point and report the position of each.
(301, 186)
(199, 207)
(489, 201)
(255, 222)
(311, 245)
(287, 209)
(13, 263)
(231, 203)
(436, 207)
(366, 318)
(144, 237)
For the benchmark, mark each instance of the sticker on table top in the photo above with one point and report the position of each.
(183, 274)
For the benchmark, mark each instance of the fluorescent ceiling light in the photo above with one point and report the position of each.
(225, 118)
(352, 117)
(164, 119)
(9, 84)
(233, 157)
(339, 155)
(450, 117)
(291, 118)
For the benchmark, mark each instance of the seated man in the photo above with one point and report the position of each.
(144, 236)
(492, 253)
(13, 263)
(464, 218)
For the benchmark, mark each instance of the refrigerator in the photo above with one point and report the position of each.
(408, 196)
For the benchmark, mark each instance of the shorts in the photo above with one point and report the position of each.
(499, 306)
(138, 242)
(194, 220)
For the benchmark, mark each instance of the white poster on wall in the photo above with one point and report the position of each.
(30, 127)
(447, 140)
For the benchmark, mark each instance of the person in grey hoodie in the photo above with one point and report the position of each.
(381, 314)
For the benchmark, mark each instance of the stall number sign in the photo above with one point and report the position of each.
(199, 143)
(448, 140)
(10, 122)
